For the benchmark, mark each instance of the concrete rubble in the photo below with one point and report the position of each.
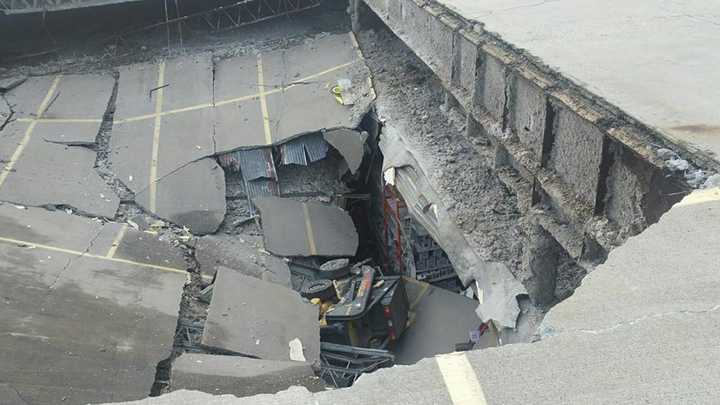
(255, 318)
(293, 228)
(271, 213)
(441, 320)
(242, 254)
(350, 144)
(624, 356)
(240, 376)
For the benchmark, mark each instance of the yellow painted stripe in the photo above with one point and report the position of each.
(236, 99)
(90, 255)
(309, 231)
(315, 76)
(263, 101)
(460, 380)
(152, 188)
(117, 241)
(239, 99)
(424, 289)
(28, 131)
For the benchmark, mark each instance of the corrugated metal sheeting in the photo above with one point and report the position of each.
(304, 150)
(257, 166)
(253, 163)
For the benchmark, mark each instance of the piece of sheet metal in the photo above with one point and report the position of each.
(254, 163)
(315, 146)
(261, 188)
(293, 152)
(304, 150)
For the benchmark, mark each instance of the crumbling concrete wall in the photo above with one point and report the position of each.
(559, 133)
(585, 175)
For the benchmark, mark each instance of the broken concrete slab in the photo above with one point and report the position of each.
(239, 125)
(9, 83)
(297, 82)
(83, 96)
(308, 108)
(52, 174)
(134, 96)
(240, 376)
(26, 99)
(350, 144)
(669, 268)
(189, 81)
(441, 320)
(235, 77)
(56, 228)
(144, 247)
(70, 134)
(192, 196)
(259, 319)
(315, 55)
(293, 228)
(131, 153)
(243, 254)
(184, 138)
(83, 328)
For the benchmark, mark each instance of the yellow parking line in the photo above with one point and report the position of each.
(117, 241)
(309, 231)
(460, 379)
(90, 255)
(263, 100)
(156, 138)
(28, 132)
(237, 99)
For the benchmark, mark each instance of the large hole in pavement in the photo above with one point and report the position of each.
(404, 293)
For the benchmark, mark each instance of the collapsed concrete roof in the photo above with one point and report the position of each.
(611, 329)
(500, 288)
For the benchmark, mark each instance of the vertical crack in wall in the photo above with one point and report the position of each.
(548, 133)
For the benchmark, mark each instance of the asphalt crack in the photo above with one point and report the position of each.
(650, 317)
(72, 258)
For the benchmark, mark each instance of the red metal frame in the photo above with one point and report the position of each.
(391, 208)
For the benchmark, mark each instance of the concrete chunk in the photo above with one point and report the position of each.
(260, 319)
(293, 228)
(244, 255)
(80, 327)
(240, 376)
(441, 319)
(350, 144)
(52, 174)
(83, 96)
(9, 83)
(193, 196)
